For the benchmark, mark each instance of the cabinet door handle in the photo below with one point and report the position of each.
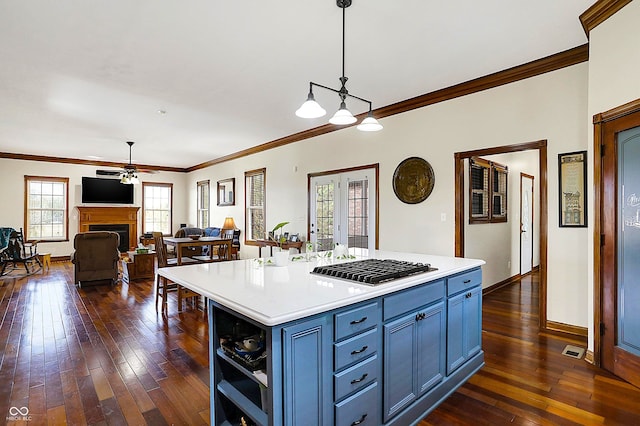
(466, 281)
(364, 376)
(364, 348)
(357, 422)
(468, 295)
(420, 316)
(354, 322)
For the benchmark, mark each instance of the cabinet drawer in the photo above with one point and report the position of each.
(356, 320)
(408, 300)
(356, 377)
(464, 281)
(359, 409)
(355, 349)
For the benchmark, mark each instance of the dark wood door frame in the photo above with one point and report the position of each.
(541, 146)
(606, 126)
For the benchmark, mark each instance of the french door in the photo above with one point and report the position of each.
(618, 206)
(343, 209)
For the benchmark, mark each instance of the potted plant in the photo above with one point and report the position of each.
(281, 256)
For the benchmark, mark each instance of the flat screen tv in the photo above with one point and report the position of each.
(107, 191)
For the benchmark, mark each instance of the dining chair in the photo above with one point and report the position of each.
(162, 284)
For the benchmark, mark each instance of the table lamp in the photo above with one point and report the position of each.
(228, 223)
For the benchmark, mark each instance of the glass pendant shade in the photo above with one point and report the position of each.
(369, 124)
(342, 116)
(310, 109)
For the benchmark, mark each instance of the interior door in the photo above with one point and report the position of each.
(526, 223)
(343, 210)
(620, 241)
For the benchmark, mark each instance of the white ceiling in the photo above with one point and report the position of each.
(79, 78)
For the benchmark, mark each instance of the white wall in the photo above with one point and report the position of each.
(551, 106)
(12, 174)
(614, 60)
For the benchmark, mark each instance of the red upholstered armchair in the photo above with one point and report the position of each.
(96, 256)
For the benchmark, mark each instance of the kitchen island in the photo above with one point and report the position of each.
(288, 347)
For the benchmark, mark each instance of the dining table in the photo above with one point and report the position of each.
(179, 242)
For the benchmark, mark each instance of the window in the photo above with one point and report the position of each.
(487, 191)
(47, 208)
(254, 201)
(157, 203)
(203, 204)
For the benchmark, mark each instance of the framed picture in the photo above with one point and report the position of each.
(227, 192)
(572, 181)
(294, 238)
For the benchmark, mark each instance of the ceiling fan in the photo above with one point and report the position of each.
(129, 173)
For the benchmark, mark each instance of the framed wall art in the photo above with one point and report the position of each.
(572, 191)
(227, 192)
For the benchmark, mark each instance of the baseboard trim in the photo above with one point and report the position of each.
(503, 283)
(567, 328)
(589, 357)
(60, 258)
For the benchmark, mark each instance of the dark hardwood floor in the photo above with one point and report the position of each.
(102, 355)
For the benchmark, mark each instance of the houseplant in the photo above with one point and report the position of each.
(281, 256)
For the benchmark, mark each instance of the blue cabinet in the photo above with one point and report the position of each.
(464, 318)
(413, 356)
(307, 372)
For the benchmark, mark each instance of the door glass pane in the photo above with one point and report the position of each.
(358, 213)
(324, 216)
(629, 240)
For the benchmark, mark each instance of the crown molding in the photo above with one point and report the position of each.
(28, 157)
(599, 12)
(531, 69)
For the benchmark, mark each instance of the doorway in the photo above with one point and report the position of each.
(526, 223)
(459, 160)
(617, 241)
(343, 208)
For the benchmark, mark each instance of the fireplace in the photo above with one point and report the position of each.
(122, 230)
(90, 217)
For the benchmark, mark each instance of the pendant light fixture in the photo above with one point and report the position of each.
(311, 109)
(129, 174)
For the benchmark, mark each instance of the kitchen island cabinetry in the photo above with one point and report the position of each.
(335, 352)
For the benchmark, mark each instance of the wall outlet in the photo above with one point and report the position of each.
(443, 217)
(508, 264)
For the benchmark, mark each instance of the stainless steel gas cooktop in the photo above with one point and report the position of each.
(373, 271)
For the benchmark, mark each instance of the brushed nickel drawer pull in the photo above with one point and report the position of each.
(364, 376)
(364, 348)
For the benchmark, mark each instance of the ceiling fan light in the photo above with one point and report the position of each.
(342, 116)
(310, 108)
(369, 124)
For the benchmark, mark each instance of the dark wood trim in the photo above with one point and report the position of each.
(541, 146)
(550, 63)
(376, 169)
(599, 12)
(501, 284)
(617, 112)
(28, 157)
(597, 249)
(567, 328)
(459, 204)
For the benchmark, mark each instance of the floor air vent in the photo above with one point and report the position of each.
(573, 351)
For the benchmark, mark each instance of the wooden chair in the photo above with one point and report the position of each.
(17, 251)
(163, 286)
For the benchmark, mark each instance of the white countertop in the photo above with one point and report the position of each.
(273, 295)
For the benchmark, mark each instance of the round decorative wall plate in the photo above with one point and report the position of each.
(413, 180)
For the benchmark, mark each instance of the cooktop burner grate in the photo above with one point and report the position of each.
(373, 271)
